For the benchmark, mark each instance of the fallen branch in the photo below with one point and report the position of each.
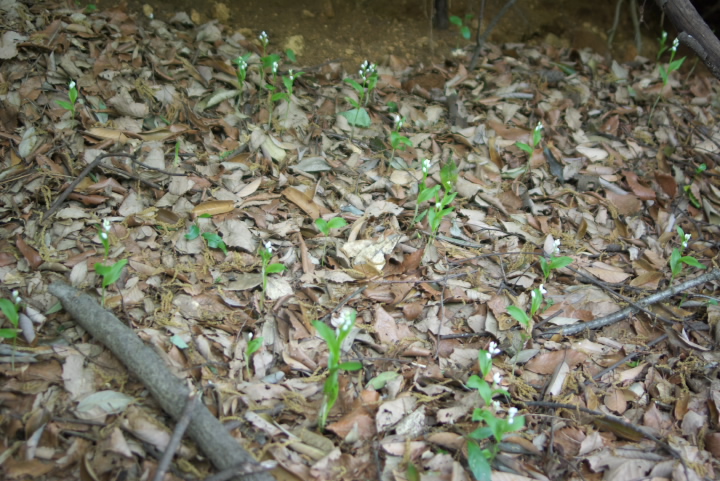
(623, 313)
(169, 391)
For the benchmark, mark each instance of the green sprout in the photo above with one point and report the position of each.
(110, 274)
(72, 96)
(242, 68)
(536, 139)
(422, 187)
(552, 263)
(287, 96)
(10, 309)
(267, 268)
(463, 26)
(523, 317)
(440, 209)
(334, 340)
(397, 140)
(358, 115)
(325, 226)
(252, 347)
(212, 239)
(677, 259)
(480, 457)
(665, 72)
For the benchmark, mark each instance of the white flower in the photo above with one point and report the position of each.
(664, 36)
(274, 67)
(511, 415)
(268, 246)
(106, 225)
(488, 355)
(676, 44)
(72, 84)
(16, 297)
(496, 406)
(497, 378)
(542, 290)
(346, 321)
(556, 245)
(539, 126)
(103, 235)
(533, 294)
(493, 349)
(263, 37)
(438, 205)
(426, 165)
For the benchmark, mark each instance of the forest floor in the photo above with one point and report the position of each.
(503, 273)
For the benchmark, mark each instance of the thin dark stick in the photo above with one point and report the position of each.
(602, 286)
(623, 313)
(613, 419)
(177, 436)
(343, 302)
(491, 26)
(627, 358)
(61, 198)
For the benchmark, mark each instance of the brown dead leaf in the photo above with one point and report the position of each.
(213, 207)
(31, 255)
(546, 363)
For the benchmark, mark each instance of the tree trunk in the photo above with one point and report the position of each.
(694, 32)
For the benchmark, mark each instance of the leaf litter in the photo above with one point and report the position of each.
(178, 144)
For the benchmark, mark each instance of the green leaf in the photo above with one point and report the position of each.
(110, 274)
(358, 88)
(215, 241)
(485, 362)
(392, 107)
(290, 54)
(10, 311)
(524, 146)
(326, 332)
(279, 96)
(691, 261)
(536, 301)
(428, 194)
(351, 366)
(253, 346)
(8, 333)
(336, 223)
(357, 117)
(519, 315)
(465, 32)
(478, 463)
(193, 233)
(412, 473)
(560, 262)
(267, 61)
(379, 381)
(675, 262)
(322, 226)
(449, 175)
(482, 432)
(455, 20)
(275, 268)
(475, 381)
(65, 105)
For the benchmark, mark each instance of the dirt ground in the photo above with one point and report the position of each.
(320, 30)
